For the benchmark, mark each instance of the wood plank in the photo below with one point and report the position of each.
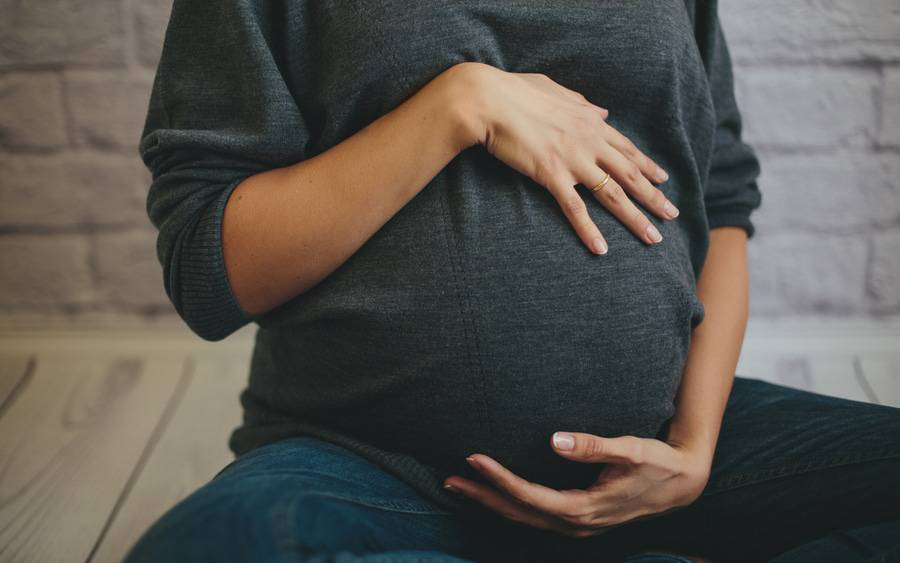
(68, 446)
(192, 450)
(13, 368)
(835, 375)
(882, 373)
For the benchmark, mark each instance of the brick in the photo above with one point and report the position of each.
(151, 18)
(31, 111)
(809, 106)
(890, 103)
(61, 31)
(813, 274)
(826, 192)
(73, 189)
(107, 109)
(806, 30)
(128, 272)
(884, 269)
(44, 270)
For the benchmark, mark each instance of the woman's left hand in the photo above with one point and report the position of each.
(643, 477)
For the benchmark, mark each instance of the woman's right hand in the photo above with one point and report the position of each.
(556, 137)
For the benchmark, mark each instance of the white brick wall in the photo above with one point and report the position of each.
(818, 82)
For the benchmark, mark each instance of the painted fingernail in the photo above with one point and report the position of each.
(671, 210)
(661, 174)
(600, 246)
(563, 440)
(654, 234)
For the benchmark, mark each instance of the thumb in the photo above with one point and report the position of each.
(588, 448)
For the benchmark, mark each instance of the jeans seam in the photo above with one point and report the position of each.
(389, 505)
(745, 479)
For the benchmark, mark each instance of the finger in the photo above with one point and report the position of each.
(532, 495)
(589, 448)
(614, 198)
(625, 146)
(630, 176)
(498, 502)
(576, 212)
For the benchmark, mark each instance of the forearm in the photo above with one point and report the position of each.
(723, 288)
(286, 229)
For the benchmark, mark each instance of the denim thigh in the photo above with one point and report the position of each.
(790, 466)
(305, 499)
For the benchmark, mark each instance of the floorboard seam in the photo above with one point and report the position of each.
(155, 436)
(20, 385)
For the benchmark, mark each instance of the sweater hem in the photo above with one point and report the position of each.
(423, 478)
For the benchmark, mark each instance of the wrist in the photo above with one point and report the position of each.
(463, 100)
(701, 450)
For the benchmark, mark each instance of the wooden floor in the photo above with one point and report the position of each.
(101, 432)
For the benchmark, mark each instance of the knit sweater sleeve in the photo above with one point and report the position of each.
(732, 193)
(220, 110)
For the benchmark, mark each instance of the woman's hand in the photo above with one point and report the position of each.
(643, 477)
(556, 137)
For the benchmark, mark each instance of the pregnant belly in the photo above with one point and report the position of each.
(487, 340)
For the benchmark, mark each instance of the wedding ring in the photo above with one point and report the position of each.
(602, 183)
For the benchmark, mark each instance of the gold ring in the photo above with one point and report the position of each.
(602, 183)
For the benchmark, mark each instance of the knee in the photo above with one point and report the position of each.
(260, 525)
(210, 525)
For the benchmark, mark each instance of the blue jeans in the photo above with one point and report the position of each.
(797, 476)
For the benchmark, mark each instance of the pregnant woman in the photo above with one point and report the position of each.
(472, 235)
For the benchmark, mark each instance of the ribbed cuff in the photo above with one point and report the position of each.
(208, 305)
(731, 218)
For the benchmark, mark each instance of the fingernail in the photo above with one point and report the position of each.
(661, 174)
(600, 246)
(451, 488)
(472, 461)
(670, 209)
(563, 440)
(655, 235)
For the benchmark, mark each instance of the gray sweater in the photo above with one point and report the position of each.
(474, 320)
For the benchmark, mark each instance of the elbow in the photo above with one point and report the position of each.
(198, 288)
(210, 316)
(189, 248)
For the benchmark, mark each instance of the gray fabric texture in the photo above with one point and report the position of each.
(474, 320)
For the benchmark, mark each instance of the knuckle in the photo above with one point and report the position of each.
(614, 193)
(574, 205)
(633, 173)
(636, 450)
(583, 124)
(525, 500)
(578, 97)
(657, 198)
(593, 448)
(545, 165)
(576, 517)
(630, 150)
